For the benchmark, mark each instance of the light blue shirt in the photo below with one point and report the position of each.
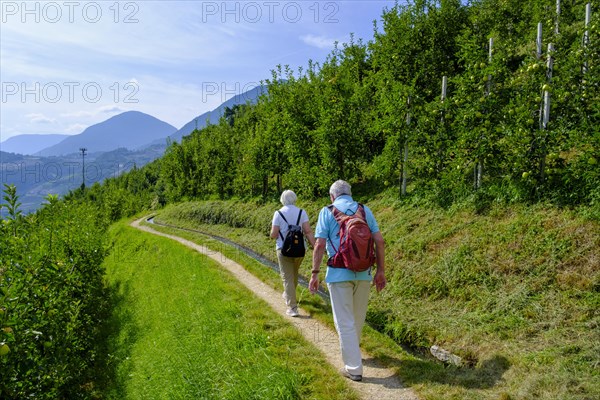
(328, 228)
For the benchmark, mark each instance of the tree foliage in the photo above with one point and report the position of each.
(354, 115)
(52, 299)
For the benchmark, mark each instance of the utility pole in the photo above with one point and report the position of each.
(83, 150)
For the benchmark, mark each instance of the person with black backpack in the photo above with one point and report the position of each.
(290, 227)
(349, 233)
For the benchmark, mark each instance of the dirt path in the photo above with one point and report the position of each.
(378, 382)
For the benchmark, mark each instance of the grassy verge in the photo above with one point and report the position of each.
(514, 291)
(183, 328)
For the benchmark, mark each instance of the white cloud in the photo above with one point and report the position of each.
(37, 118)
(75, 129)
(183, 58)
(77, 114)
(110, 109)
(320, 42)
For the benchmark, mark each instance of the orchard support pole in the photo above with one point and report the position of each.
(586, 33)
(404, 177)
(557, 17)
(442, 123)
(489, 77)
(550, 67)
(538, 41)
(478, 173)
(546, 109)
(444, 87)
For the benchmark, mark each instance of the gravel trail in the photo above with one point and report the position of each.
(378, 382)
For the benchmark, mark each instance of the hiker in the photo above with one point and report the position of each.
(287, 220)
(348, 289)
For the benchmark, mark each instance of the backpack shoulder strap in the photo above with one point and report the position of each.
(281, 214)
(333, 210)
(299, 215)
(336, 213)
(361, 210)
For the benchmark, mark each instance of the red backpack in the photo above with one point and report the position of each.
(356, 251)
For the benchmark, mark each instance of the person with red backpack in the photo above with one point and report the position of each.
(349, 233)
(290, 227)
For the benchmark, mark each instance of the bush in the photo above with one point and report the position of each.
(52, 301)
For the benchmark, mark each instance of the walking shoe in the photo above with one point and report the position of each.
(352, 377)
(292, 312)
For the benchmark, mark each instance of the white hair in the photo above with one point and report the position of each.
(288, 198)
(339, 188)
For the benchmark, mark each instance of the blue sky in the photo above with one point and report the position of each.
(66, 65)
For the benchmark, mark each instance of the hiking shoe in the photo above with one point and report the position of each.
(292, 312)
(352, 377)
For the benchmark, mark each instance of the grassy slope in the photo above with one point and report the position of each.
(513, 291)
(183, 328)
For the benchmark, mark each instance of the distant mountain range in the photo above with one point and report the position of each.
(129, 130)
(30, 144)
(52, 164)
(213, 116)
(35, 177)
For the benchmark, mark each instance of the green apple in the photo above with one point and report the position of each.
(4, 349)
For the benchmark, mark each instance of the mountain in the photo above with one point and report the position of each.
(35, 177)
(213, 116)
(30, 143)
(130, 130)
(114, 146)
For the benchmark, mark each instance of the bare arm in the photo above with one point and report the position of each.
(308, 233)
(379, 279)
(274, 231)
(318, 253)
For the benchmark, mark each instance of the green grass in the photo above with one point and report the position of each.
(183, 328)
(513, 290)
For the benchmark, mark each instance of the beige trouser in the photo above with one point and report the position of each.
(349, 301)
(288, 269)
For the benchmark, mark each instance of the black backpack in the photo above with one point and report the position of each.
(293, 243)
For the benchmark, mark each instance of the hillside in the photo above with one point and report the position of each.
(30, 144)
(513, 292)
(212, 117)
(36, 177)
(474, 141)
(130, 130)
